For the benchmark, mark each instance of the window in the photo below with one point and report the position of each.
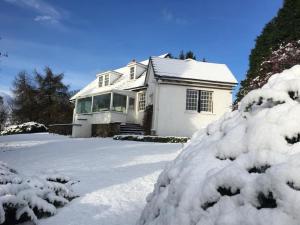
(142, 102)
(119, 103)
(131, 103)
(131, 73)
(84, 105)
(101, 103)
(100, 81)
(106, 80)
(197, 100)
(191, 99)
(206, 103)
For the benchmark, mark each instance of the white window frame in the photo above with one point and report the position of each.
(191, 100)
(132, 72)
(194, 97)
(207, 101)
(141, 101)
(106, 80)
(100, 81)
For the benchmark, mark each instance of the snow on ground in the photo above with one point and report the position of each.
(115, 176)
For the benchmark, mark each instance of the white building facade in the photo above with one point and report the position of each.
(185, 95)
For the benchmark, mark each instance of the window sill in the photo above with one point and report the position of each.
(85, 114)
(112, 111)
(104, 111)
(201, 113)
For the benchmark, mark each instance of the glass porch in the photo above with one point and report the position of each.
(115, 101)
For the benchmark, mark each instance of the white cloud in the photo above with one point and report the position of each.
(45, 18)
(45, 11)
(169, 16)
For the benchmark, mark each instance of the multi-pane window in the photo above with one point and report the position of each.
(84, 105)
(106, 80)
(101, 102)
(142, 101)
(119, 103)
(198, 100)
(131, 73)
(192, 99)
(100, 81)
(206, 103)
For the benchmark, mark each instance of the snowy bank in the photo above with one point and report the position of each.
(29, 127)
(29, 198)
(242, 169)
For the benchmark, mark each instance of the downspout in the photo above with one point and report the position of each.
(156, 106)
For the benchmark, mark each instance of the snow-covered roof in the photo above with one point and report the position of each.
(192, 69)
(165, 67)
(122, 83)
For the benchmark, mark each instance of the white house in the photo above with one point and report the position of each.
(185, 94)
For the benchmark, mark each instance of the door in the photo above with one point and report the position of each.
(131, 110)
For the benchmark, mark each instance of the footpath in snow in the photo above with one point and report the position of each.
(115, 176)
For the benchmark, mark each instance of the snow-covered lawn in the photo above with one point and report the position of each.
(115, 176)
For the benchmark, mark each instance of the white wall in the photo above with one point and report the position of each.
(172, 117)
(85, 130)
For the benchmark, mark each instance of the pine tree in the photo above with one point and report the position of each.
(281, 30)
(44, 99)
(25, 103)
(190, 55)
(52, 98)
(187, 55)
(181, 55)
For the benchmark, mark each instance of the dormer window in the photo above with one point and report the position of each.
(100, 81)
(106, 80)
(131, 73)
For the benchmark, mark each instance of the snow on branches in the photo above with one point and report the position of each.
(241, 169)
(29, 127)
(29, 198)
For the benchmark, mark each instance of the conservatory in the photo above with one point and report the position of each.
(115, 106)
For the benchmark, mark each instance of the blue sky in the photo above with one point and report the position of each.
(81, 38)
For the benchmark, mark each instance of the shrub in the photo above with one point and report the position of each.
(29, 198)
(161, 139)
(29, 127)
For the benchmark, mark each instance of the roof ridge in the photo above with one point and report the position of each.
(188, 60)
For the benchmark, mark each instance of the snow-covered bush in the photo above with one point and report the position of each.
(241, 169)
(147, 138)
(29, 198)
(29, 127)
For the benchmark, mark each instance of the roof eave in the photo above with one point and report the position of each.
(194, 80)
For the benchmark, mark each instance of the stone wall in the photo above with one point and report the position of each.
(105, 130)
